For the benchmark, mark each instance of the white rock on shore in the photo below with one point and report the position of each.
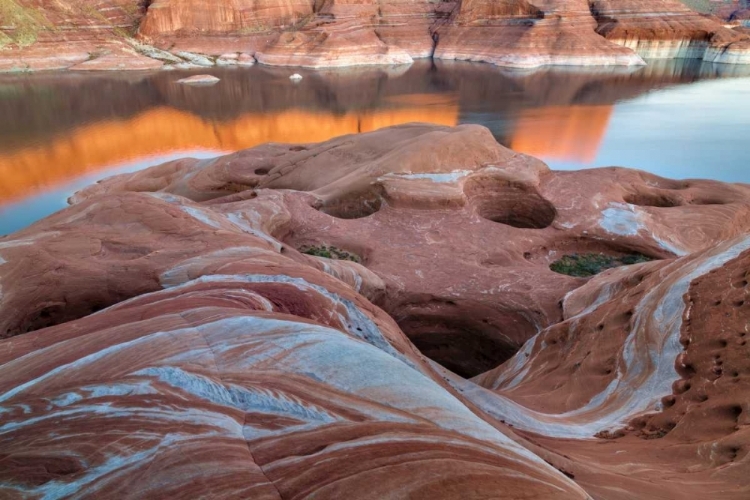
(200, 80)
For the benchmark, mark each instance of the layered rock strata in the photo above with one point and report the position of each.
(668, 29)
(183, 326)
(527, 35)
(515, 33)
(249, 384)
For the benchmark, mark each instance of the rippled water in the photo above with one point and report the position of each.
(59, 132)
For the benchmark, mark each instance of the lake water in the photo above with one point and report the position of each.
(59, 132)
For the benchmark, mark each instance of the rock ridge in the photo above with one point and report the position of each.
(171, 331)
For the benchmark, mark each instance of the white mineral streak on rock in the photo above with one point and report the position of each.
(687, 49)
(646, 371)
(438, 177)
(357, 323)
(621, 219)
(624, 219)
(387, 389)
(665, 49)
(217, 220)
(195, 59)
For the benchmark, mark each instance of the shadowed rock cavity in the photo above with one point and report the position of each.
(510, 203)
(653, 199)
(669, 199)
(463, 341)
(354, 207)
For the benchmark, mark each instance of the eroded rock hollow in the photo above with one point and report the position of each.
(378, 316)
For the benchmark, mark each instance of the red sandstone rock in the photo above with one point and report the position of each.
(518, 33)
(202, 17)
(270, 369)
(117, 59)
(653, 359)
(528, 35)
(444, 184)
(668, 29)
(252, 385)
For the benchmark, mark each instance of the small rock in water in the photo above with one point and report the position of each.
(199, 80)
(295, 77)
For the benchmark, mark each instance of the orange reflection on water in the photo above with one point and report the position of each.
(165, 130)
(572, 133)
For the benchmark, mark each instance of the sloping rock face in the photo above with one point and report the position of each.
(668, 29)
(336, 33)
(44, 35)
(309, 34)
(734, 11)
(200, 17)
(527, 36)
(251, 385)
(184, 326)
(665, 342)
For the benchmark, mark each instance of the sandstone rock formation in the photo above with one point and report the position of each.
(42, 35)
(552, 33)
(516, 33)
(151, 116)
(733, 11)
(168, 327)
(199, 80)
(668, 29)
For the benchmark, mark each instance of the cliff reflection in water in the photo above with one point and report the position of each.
(59, 129)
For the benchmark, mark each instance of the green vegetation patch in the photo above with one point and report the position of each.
(22, 24)
(583, 265)
(330, 252)
(705, 6)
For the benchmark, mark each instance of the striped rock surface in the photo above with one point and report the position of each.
(140, 34)
(166, 336)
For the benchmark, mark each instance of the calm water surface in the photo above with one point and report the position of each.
(59, 132)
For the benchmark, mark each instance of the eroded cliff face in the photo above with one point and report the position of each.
(335, 33)
(43, 34)
(376, 316)
(732, 11)
(530, 35)
(25, 22)
(202, 17)
(668, 29)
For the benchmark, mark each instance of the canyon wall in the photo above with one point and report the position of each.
(199, 17)
(335, 33)
(668, 29)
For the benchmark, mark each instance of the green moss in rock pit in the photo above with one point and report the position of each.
(583, 265)
(330, 252)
